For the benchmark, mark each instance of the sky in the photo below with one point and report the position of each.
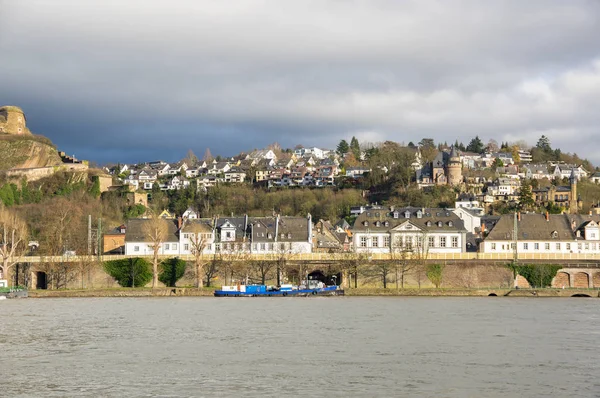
(141, 80)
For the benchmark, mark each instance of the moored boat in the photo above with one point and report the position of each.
(278, 291)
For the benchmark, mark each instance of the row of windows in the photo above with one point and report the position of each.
(409, 242)
(428, 223)
(558, 246)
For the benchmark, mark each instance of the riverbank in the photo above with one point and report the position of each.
(208, 292)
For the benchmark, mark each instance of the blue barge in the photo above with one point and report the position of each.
(281, 291)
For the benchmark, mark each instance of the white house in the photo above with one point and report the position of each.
(383, 230)
(544, 233)
(137, 241)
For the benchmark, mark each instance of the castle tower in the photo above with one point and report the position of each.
(12, 121)
(454, 168)
(573, 202)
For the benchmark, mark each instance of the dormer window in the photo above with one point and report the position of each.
(419, 214)
(282, 235)
(407, 214)
(377, 224)
(289, 235)
(270, 236)
(450, 223)
(439, 224)
(366, 223)
(429, 223)
(578, 234)
(555, 234)
(387, 223)
(396, 214)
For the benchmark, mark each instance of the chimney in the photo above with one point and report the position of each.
(482, 228)
(179, 222)
(547, 217)
(573, 225)
(519, 216)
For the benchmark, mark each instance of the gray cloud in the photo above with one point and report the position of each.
(135, 80)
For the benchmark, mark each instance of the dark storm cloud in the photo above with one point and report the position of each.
(139, 80)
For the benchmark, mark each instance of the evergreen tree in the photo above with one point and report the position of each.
(342, 148)
(526, 201)
(475, 145)
(355, 147)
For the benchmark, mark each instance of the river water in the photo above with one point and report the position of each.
(313, 347)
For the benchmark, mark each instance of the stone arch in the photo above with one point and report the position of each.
(596, 279)
(561, 279)
(581, 280)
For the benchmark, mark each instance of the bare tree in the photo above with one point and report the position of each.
(199, 234)
(14, 240)
(156, 230)
(208, 157)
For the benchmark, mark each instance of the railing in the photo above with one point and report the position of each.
(326, 257)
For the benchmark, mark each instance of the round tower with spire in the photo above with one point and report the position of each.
(454, 168)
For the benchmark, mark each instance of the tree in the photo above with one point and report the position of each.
(13, 232)
(95, 188)
(400, 253)
(435, 273)
(497, 163)
(172, 270)
(208, 157)
(355, 147)
(428, 149)
(342, 148)
(156, 230)
(129, 272)
(191, 159)
(492, 146)
(199, 234)
(538, 275)
(526, 200)
(544, 144)
(475, 145)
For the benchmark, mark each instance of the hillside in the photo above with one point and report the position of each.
(27, 151)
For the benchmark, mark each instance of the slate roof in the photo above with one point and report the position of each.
(428, 222)
(135, 230)
(533, 227)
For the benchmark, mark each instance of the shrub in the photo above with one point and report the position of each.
(130, 272)
(171, 270)
(538, 275)
(435, 273)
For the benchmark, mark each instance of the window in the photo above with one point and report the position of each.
(431, 241)
(377, 224)
(587, 246)
(525, 246)
(450, 223)
(228, 234)
(270, 236)
(536, 246)
(136, 248)
(592, 235)
(166, 246)
(174, 246)
(186, 247)
(439, 224)
(493, 246)
(386, 241)
(375, 241)
(186, 236)
(442, 241)
(263, 246)
(579, 246)
(428, 223)
(547, 246)
(568, 246)
(363, 241)
(455, 241)
(558, 246)
(407, 214)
